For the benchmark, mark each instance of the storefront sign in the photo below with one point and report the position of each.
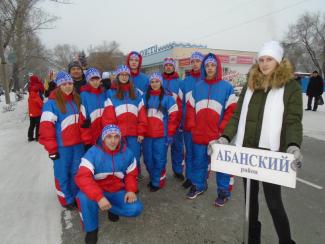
(245, 60)
(261, 165)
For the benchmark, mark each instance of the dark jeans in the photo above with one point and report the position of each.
(33, 123)
(310, 99)
(274, 203)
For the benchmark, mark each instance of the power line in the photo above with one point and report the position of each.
(249, 21)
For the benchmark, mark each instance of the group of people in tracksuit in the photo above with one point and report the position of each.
(96, 138)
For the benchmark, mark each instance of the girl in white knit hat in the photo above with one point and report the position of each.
(268, 116)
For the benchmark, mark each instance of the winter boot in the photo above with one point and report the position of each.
(113, 217)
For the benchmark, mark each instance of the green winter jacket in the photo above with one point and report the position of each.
(291, 133)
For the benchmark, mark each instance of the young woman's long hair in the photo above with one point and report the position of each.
(161, 96)
(120, 92)
(60, 102)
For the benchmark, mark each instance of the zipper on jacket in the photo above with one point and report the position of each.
(113, 165)
(74, 111)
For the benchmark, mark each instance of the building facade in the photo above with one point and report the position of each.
(236, 64)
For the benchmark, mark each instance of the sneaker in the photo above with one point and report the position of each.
(193, 192)
(307, 109)
(180, 176)
(113, 217)
(30, 139)
(153, 188)
(187, 184)
(221, 199)
(71, 206)
(92, 237)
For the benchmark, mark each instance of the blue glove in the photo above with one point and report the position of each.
(168, 140)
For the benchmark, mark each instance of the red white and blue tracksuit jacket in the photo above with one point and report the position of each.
(161, 123)
(188, 85)
(58, 129)
(173, 87)
(209, 109)
(92, 108)
(102, 170)
(130, 115)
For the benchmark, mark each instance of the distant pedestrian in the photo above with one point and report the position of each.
(35, 105)
(314, 90)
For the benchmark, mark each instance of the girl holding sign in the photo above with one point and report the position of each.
(268, 116)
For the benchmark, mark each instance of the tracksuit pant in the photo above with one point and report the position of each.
(89, 208)
(201, 162)
(188, 154)
(155, 159)
(135, 147)
(177, 152)
(65, 168)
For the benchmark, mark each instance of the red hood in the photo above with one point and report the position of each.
(133, 74)
(89, 88)
(34, 80)
(219, 66)
(172, 76)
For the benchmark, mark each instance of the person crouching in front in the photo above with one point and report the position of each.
(107, 179)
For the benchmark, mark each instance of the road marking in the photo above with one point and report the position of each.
(309, 183)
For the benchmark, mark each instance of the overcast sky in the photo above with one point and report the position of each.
(138, 24)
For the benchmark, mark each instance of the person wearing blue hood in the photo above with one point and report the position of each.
(208, 110)
(188, 85)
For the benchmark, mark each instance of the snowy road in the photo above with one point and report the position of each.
(29, 211)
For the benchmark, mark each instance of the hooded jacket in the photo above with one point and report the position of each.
(35, 104)
(59, 129)
(210, 106)
(91, 109)
(140, 80)
(102, 170)
(129, 114)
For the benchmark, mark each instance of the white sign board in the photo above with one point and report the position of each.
(256, 164)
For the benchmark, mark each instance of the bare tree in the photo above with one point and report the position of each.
(105, 56)
(305, 42)
(63, 54)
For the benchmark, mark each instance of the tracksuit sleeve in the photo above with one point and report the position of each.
(179, 102)
(142, 119)
(109, 116)
(230, 107)
(231, 128)
(47, 134)
(85, 178)
(173, 116)
(130, 180)
(86, 134)
(190, 112)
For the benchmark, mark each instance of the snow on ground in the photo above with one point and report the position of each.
(314, 122)
(28, 208)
